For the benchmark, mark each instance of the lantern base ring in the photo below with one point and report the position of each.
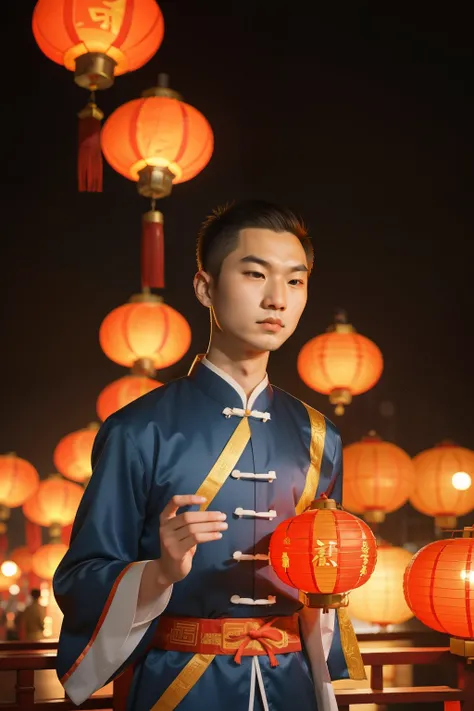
(155, 181)
(327, 601)
(462, 647)
(94, 70)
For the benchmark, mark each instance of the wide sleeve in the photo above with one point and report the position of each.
(96, 584)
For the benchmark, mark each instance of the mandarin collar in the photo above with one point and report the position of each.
(221, 387)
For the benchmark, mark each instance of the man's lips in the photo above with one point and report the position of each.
(273, 324)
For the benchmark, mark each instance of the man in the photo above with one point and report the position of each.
(168, 565)
(30, 622)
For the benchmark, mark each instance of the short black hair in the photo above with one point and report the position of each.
(219, 233)
(35, 593)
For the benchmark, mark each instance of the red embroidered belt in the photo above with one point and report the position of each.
(248, 636)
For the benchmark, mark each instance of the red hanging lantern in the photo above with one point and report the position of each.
(384, 590)
(324, 553)
(439, 589)
(22, 557)
(18, 481)
(97, 40)
(157, 141)
(54, 505)
(340, 363)
(145, 333)
(72, 456)
(47, 558)
(378, 478)
(122, 392)
(444, 483)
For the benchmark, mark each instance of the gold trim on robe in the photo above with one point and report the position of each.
(318, 438)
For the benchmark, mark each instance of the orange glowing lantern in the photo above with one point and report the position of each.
(122, 392)
(384, 590)
(324, 553)
(340, 363)
(54, 505)
(5, 582)
(22, 557)
(157, 141)
(18, 481)
(378, 477)
(72, 456)
(145, 333)
(97, 40)
(47, 558)
(439, 589)
(437, 491)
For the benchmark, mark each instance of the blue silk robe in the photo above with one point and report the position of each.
(164, 444)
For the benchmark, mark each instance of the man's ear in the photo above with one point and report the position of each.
(203, 288)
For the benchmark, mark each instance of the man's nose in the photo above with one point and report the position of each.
(275, 296)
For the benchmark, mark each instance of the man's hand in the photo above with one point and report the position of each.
(179, 536)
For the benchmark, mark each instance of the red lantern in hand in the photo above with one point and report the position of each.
(324, 552)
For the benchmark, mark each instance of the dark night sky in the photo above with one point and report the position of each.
(360, 121)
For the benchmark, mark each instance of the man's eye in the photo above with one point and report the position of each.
(255, 275)
(296, 282)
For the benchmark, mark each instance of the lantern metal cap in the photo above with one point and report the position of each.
(462, 647)
(162, 89)
(374, 516)
(328, 601)
(144, 366)
(94, 70)
(323, 503)
(155, 181)
(145, 297)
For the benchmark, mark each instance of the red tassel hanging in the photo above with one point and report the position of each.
(34, 540)
(153, 250)
(33, 535)
(66, 534)
(89, 163)
(3, 545)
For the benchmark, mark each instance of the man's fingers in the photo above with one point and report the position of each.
(195, 529)
(192, 517)
(177, 502)
(190, 541)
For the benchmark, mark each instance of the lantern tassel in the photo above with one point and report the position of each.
(89, 162)
(153, 251)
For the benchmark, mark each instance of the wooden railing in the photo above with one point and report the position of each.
(26, 661)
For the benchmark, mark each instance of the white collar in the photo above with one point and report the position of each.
(247, 404)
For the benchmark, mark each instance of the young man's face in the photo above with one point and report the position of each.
(262, 289)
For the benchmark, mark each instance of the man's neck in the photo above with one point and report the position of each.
(247, 371)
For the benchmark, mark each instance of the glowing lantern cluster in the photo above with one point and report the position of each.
(122, 392)
(22, 557)
(145, 333)
(378, 477)
(72, 456)
(443, 483)
(47, 558)
(324, 552)
(381, 600)
(439, 589)
(18, 481)
(157, 141)
(97, 39)
(340, 363)
(54, 505)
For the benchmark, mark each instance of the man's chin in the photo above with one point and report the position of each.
(266, 345)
